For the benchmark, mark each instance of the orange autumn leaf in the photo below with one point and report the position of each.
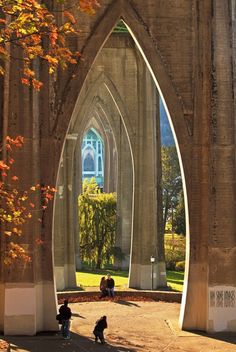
(25, 81)
(3, 165)
(70, 16)
(38, 241)
(15, 178)
(30, 24)
(36, 84)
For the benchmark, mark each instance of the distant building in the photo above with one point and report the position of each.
(93, 157)
(93, 149)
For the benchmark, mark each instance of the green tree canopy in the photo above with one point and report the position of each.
(171, 182)
(97, 223)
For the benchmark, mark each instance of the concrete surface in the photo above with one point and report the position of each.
(132, 327)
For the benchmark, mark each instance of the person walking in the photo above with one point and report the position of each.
(65, 314)
(103, 287)
(100, 325)
(110, 285)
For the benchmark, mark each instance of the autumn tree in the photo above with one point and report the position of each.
(33, 28)
(18, 206)
(97, 224)
(36, 30)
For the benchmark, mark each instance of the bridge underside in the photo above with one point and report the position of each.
(189, 47)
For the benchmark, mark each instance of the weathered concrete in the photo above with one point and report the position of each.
(189, 46)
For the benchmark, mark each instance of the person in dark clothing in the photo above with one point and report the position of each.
(100, 325)
(103, 287)
(110, 285)
(65, 314)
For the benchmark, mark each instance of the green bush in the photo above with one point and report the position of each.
(173, 257)
(174, 251)
(180, 266)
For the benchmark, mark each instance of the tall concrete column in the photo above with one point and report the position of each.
(222, 251)
(145, 238)
(28, 300)
(65, 221)
(196, 271)
(124, 195)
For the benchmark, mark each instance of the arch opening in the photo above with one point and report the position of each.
(137, 278)
(91, 112)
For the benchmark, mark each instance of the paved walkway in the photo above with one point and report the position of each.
(132, 327)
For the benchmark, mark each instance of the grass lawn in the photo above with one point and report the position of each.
(92, 279)
(175, 280)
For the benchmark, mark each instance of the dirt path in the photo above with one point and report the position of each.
(132, 327)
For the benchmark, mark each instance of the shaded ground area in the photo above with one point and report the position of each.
(132, 327)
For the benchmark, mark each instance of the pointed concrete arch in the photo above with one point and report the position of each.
(92, 111)
(123, 10)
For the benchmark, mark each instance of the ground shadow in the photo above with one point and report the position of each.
(53, 342)
(127, 303)
(104, 272)
(77, 315)
(72, 289)
(171, 281)
(228, 337)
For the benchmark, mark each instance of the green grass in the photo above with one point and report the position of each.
(88, 278)
(175, 280)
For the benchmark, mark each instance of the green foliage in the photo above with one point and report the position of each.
(117, 253)
(179, 217)
(171, 186)
(174, 251)
(97, 223)
(90, 186)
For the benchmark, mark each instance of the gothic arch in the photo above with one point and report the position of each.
(93, 111)
(123, 10)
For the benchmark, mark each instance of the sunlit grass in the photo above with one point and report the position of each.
(92, 279)
(175, 280)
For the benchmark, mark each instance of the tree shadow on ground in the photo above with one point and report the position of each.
(174, 282)
(104, 272)
(71, 289)
(127, 303)
(53, 342)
